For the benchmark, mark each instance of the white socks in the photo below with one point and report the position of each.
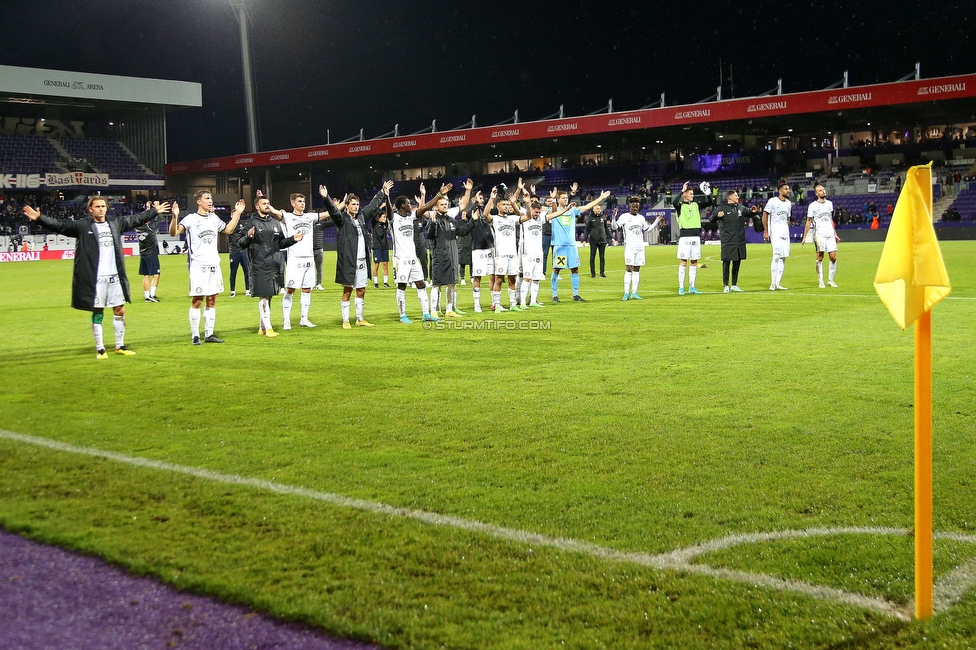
(286, 307)
(451, 297)
(306, 301)
(833, 271)
(511, 298)
(345, 310)
(119, 323)
(435, 299)
(535, 291)
(681, 276)
(195, 321)
(476, 294)
(692, 275)
(635, 279)
(820, 271)
(97, 333)
(424, 302)
(360, 307)
(209, 319)
(152, 291)
(777, 268)
(264, 313)
(401, 299)
(627, 277)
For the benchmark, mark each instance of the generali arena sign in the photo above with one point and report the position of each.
(819, 101)
(51, 181)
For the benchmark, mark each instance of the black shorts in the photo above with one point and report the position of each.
(381, 255)
(149, 265)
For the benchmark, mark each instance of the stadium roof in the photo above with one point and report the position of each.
(33, 85)
(915, 102)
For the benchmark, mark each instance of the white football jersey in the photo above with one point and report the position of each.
(303, 223)
(403, 245)
(779, 214)
(532, 237)
(634, 227)
(504, 229)
(107, 264)
(822, 215)
(201, 238)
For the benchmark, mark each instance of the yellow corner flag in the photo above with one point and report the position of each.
(911, 277)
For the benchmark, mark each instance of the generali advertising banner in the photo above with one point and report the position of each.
(39, 256)
(820, 101)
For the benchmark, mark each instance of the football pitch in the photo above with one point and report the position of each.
(719, 470)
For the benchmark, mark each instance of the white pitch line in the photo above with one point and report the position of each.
(948, 591)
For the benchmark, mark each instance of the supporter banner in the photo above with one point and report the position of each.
(52, 181)
(820, 101)
(76, 178)
(40, 256)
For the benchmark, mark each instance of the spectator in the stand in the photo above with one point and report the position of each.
(875, 221)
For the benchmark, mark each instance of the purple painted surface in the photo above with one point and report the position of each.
(50, 598)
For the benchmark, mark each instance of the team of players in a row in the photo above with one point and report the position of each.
(497, 253)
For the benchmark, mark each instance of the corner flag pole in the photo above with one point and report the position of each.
(911, 279)
(923, 466)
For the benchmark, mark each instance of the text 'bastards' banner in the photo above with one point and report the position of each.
(51, 180)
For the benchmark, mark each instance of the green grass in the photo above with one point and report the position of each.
(642, 427)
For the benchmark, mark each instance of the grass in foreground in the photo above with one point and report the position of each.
(641, 426)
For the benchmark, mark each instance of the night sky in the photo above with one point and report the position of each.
(346, 65)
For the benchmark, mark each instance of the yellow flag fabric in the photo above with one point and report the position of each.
(912, 277)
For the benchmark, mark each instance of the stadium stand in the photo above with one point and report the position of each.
(108, 157)
(28, 154)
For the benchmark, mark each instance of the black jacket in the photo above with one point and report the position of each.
(443, 233)
(732, 221)
(380, 232)
(85, 273)
(347, 244)
(269, 238)
(596, 228)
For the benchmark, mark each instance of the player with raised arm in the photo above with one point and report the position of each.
(206, 281)
(776, 230)
(264, 238)
(406, 264)
(300, 264)
(503, 224)
(820, 215)
(689, 238)
(533, 251)
(634, 225)
(442, 233)
(565, 254)
(482, 250)
(99, 280)
(353, 249)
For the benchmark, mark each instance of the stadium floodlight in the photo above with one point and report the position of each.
(240, 10)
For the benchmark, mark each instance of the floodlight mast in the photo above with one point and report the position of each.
(240, 10)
